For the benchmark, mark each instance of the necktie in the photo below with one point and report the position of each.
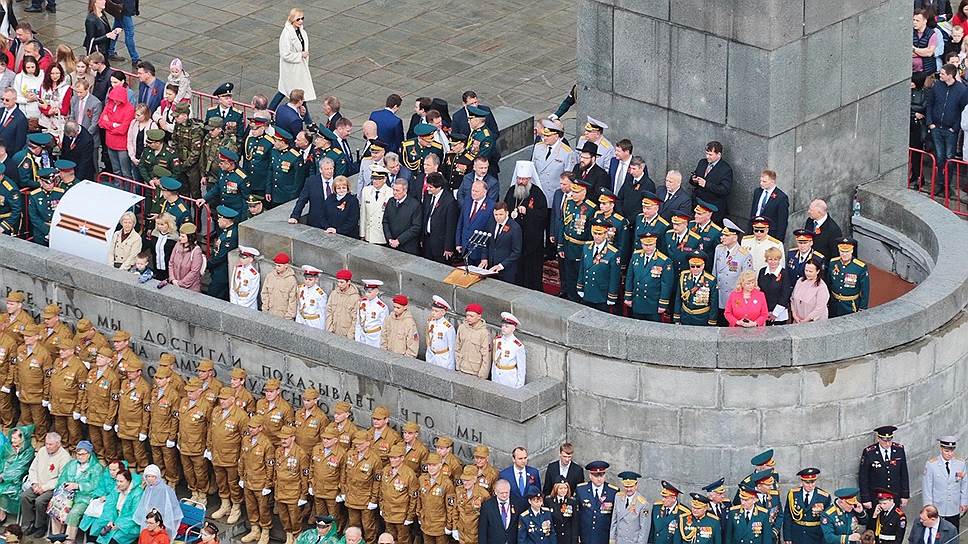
(504, 514)
(668, 196)
(807, 500)
(473, 213)
(947, 467)
(6, 114)
(619, 176)
(497, 229)
(928, 535)
(433, 206)
(346, 148)
(520, 476)
(763, 197)
(548, 154)
(628, 502)
(709, 167)
(80, 110)
(887, 455)
(749, 516)
(326, 189)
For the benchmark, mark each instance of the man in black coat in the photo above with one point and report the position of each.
(637, 181)
(772, 203)
(825, 230)
(563, 470)
(675, 199)
(13, 123)
(528, 206)
(504, 247)
(498, 523)
(439, 220)
(712, 180)
(402, 220)
(589, 171)
(314, 193)
(78, 145)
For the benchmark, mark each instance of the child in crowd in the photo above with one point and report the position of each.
(178, 76)
(142, 268)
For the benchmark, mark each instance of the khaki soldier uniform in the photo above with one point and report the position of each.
(187, 139)
(360, 485)
(309, 426)
(488, 475)
(211, 386)
(399, 488)
(163, 426)
(32, 379)
(124, 354)
(134, 418)
(278, 414)
(168, 360)
(67, 383)
(341, 311)
(226, 432)
(243, 398)
(193, 423)
(467, 509)
(257, 464)
(345, 430)
(99, 406)
(8, 360)
(452, 466)
(415, 455)
(291, 484)
(16, 322)
(474, 349)
(87, 341)
(400, 334)
(436, 505)
(59, 330)
(388, 436)
(326, 470)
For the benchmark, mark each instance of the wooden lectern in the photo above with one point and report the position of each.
(460, 278)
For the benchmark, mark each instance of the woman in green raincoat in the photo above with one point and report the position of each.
(107, 486)
(82, 476)
(120, 526)
(15, 459)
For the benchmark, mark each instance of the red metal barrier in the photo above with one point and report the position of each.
(200, 101)
(921, 165)
(954, 169)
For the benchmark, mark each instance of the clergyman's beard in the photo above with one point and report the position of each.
(522, 191)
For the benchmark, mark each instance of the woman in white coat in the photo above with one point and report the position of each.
(294, 60)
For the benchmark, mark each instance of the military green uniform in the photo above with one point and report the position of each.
(648, 284)
(164, 157)
(412, 154)
(209, 158)
(618, 234)
(677, 247)
(575, 232)
(480, 143)
(187, 140)
(228, 240)
(455, 166)
(40, 210)
(657, 225)
(11, 207)
(340, 165)
(693, 530)
(837, 525)
(180, 209)
(697, 302)
(231, 190)
(27, 166)
(709, 236)
(286, 176)
(849, 286)
(599, 275)
(256, 160)
(755, 530)
(231, 115)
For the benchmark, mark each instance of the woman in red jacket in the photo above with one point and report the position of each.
(154, 530)
(746, 306)
(115, 120)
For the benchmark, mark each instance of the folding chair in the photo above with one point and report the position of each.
(193, 519)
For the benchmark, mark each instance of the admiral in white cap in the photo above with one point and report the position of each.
(551, 157)
(509, 366)
(311, 299)
(729, 261)
(441, 335)
(593, 132)
(245, 279)
(944, 484)
(371, 314)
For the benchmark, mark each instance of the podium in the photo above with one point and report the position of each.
(462, 279)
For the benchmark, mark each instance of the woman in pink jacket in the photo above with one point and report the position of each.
(115, 120)
(185, 263)
(746, 306)
(810, 295)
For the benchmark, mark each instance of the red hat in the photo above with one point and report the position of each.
(344, 274)
(402, 300)
(474, 307)
(281, 258)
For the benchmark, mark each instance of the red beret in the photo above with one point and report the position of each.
(344, 274)
(281, 258)
(474, 307)
(402, 300)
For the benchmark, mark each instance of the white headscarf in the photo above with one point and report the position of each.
(525, 169)
(162, 498)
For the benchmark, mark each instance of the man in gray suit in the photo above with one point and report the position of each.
(551, 157)
(85, 108)
(944, 483)
(932, 529)
(631, 517)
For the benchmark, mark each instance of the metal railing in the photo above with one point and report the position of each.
(922, 167)
(954, 169)
(200, 102)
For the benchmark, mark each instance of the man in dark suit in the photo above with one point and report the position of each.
(587, 169)
(772, 203)
(637, 182)
(290, 115)
(481, 166)
(504, 247)
(439, 220)
(498, 522)
(389, 127)
(563, 470)
(618, 166)
(939, 531)
(520, 475)
(13, 123)
(402, 220)
(474, 216)
(331, 107)
(675, 199)
(396, 170)
(712, 180)
(825, 230)
(150, 89)
(315, 193)
(420, 108)
(460, 124)
(78, 145)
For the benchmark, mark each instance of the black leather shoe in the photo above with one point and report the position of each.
(32, 9)
(51, 9)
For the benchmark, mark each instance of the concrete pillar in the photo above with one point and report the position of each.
(814, 89)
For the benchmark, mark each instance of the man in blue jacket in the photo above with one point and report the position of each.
(945, 103)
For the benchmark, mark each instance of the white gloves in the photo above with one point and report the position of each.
(169, 443)
(408, 522)
(311, 491)
(207, 454)
(340, 498)
(115, 428)
(45, 404)
(553, 117)
(455, 535)
(266, 491)
(142, 437)
(84, 420)
(5, 389)
(106, 427)
(371, 506)
(301, 502)
(76, 416)
(242, 484)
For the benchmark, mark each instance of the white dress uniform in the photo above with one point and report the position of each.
(372, 204)
(369, 323)
(246, 282)
(758, 248)
(441, 340)
(728, 263)
(550, 165)
(945, 484)
(312, 306)
(509, 364)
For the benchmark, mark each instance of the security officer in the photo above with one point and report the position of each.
(768, 498)
(226, 431)
(699, 526)
(596, 499)
(99, 404)
(838, 521)
(309, 420)
(291, 483)
(665, 515)
(575, 231)
(232, 116)
(748, 522)
(286, 174)
(11, 204)
(679, 242)
(343, 426)
(326, 531)
(326, 468)
(436, 502)
(415, 451)
(257, 155)
(631, 520)
(361, 485)
(944, 482)
(883, 465)
(218, 264)
(649, 281)
(889, 520)
(172, 203)
(134, 414)
(158, 152)
(444, 446)
(210, 385)
(415, 150)
(163, 425)
(697, 296)
(650, 220)
(193, 424)
(618, 226)
(243, 397)
(481, 142)
(399, 488)
(326, 146)
(67, 381)
(257, 464)
(215, 139)
(599, 272)
(41, 204)
(805, 505)
(186, 140)
(534, 524)
(276, 410)
(708, 231)
(849, 283)
(32, 375)
(32, 158)
(231, 188)
(798, 256)
(467, 506)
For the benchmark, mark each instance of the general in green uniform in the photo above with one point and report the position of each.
(618, 226)
(650, 220)
(324, 147)
(11, 204)
(172, 203)
(747, 522)
(157, 152)
(805, 505)
(228, 239)
(481, 142)
(415, 150)
(697, 301)
(679, 242)
(709, 233)
(257, 155)
(575, 229)
(699, 526)
(231, 188)
(286, 173)
(649, 281)
(849, 281)
(841, 523)
(599, 272)
(41, 204)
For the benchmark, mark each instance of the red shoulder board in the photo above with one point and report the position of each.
(517, 342)
(380, 303)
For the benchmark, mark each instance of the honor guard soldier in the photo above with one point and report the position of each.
(718, 503)
(599, 272)
(134, 415)
(11, 205)
(246, 280)
(650, 220)
(32, 379)
(163, 425)
(481, 142)
(400, 329)
(67, 382)
(286, 173)
(291, 483)
(509, 365)
(699, 526)
(41, 204)
(575, 231)
(889, 520)
(310, 420)
(342, 425)
(172, 203)
(52, 327)
(618, 226)
(361, 485)
(594, 132)
(210, 385)
(32, 158)
(232, 116)
(187, 139)
(839, 520)
(444, 446)
(99, 404)
(382, 435)
(326, 531)
(228, 429)
(649, 281)
(416, 452)
(697, 295)
(311, 299)
(218, 264)
(486, 473)
(596, 499)
(797, 257)
(415, 150)
(758, 242)
(257, 465)
(342, 306)
(326, 463)
(631, 519)
(436, 503)
(883, 465)
(768, 498)
(805, 505)
(326, 146)
(708, 231)
(243, 398)
(231, 188)
(849, 283)
(534, 524)
(441, 335)
(257, 156)
(193, 422)
(277, 412)
(399, 489)
(665, 515)
(371, 314)
(944, 482)
(748, 522)
(467, 507)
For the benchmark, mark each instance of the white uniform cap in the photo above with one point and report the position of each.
(440, 303)
(369, 284)
(251, 251)
(310, 269)
(508, 317)
(595, 124)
